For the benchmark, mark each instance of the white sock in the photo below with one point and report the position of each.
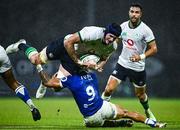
(106, 98)
(39, 68)
(150, 122)
(30, 104)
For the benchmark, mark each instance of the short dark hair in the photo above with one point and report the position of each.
(136, 5)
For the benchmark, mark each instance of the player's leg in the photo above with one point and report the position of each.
(52, 52)
(41, 91)
(104, 118)
(15, 47)
(118, 123)
(55, 51)
(143, 98)
(22, 92)
(8, 77)
(139, 82)
(35, 58)
(29, 51)
(109, 115)
(114, 80)
(112, 84)
(123, 113)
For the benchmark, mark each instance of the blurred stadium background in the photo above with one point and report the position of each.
(41, 21)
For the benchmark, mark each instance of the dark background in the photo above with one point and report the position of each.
(41, 21)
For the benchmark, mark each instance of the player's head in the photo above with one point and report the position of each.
(135, 12)
(112, 32)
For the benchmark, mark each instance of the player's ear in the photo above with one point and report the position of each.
(118, 40)
(141, 13)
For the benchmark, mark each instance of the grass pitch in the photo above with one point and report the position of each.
(62, 113)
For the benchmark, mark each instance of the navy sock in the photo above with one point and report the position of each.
(23, 47)
(145, 105)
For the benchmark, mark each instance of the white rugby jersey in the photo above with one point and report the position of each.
(135, 41)
(5, 63)
(92, 43)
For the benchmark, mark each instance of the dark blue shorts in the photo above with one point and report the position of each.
(56, 51)
(139, 78)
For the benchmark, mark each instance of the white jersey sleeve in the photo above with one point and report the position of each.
(148, 35)
(91, 33)
(4, 61)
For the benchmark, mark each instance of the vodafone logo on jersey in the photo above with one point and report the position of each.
(130, 42)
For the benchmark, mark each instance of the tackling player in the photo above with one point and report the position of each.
(96, 112)
(20, 90)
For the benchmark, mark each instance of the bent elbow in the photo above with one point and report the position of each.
(155, 50)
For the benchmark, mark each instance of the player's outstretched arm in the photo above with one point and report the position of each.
(50, 82)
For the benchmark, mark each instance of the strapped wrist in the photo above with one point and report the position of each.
(142, 56)
(39, 68)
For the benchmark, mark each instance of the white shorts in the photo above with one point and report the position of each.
(5, 63)
(108, 111)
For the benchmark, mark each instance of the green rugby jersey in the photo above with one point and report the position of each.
(92, 43)
(96, 47)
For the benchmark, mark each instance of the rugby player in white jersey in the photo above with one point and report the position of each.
(20, 90)
(68, 49)
(138, 44)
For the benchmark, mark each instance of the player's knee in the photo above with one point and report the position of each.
(141, 96)
(123, 113)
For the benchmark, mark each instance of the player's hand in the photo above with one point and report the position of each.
(98, 68)
(135, 58)
(94, 66)
(79, 62)
(90, 65)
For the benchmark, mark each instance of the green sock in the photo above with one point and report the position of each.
(145, 104)
(30, 51)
